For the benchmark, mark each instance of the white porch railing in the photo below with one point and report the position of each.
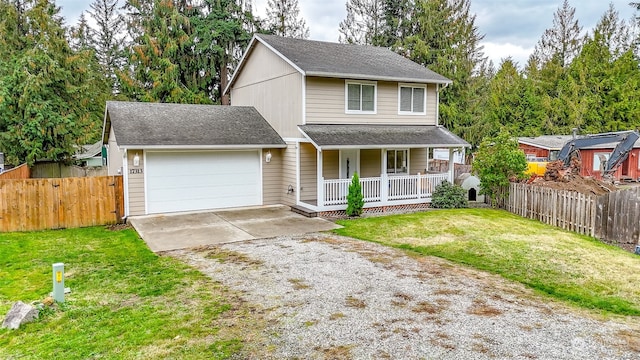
(383, 189)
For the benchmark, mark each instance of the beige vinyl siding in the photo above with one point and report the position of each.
(136, 184)
(273, 87)
(288, 174)
(325, 104)
(331, 164)
(272, 187)
(417, 161)
(308, 172)
(370, 163)
(114, 156)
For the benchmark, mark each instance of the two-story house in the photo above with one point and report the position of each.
(335, 109)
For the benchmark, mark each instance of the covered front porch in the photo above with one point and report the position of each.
(392, 172)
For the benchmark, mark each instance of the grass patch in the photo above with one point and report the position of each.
(570, 267)
(126, 301)
(299, 284)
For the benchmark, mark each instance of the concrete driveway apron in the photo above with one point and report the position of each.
(186, 230)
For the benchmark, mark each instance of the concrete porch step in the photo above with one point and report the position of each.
(304, 211)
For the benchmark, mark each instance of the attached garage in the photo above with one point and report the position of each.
(186, 181)
(178, 157)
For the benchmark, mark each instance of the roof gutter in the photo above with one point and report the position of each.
(203, 147)
(379, 78)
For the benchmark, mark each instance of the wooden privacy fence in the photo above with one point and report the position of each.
(613, 218)
(20, 172)
(38, 204)
(565, 209)
(617, 220)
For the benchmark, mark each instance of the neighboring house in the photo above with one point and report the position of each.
(90, 155)
(306, 116)
(546, 148)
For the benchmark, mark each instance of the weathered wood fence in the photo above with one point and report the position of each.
(20, 172)
(58, 170)
(613, 218)
(617, 219)
(38, 204)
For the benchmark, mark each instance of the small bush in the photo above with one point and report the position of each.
(449, 196)
(355, 200)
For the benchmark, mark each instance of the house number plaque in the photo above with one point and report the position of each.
(135, 171)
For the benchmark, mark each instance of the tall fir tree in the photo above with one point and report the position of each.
(283, 18)
(561, 42)
(364, 23)
(222, 30)
(49, 93)
(108, 39)
(162, 64)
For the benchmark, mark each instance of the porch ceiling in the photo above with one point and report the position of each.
(380, 136)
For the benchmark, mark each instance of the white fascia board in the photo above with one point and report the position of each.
(286, 59)
(204, 147)
(393, 146)
(246, 55)
(307, 138)
(375, 78)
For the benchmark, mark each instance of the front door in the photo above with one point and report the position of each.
(349, 163)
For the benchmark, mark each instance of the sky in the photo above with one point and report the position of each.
(511, 28)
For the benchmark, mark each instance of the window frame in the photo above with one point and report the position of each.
(596, 158)
(395, 151)
(346, 97)
(424, 99)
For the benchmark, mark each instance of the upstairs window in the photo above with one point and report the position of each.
(412, 100)
(361, 97)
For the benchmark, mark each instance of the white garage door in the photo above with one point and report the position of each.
(185, 181)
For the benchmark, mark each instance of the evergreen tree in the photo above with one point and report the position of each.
(162, 64)
(49, 93)
(364, 23)
(283, 18)
(81, 35)
(108, 39)
(222, 31)
(398, 21)
(563, 40)
(355, 199)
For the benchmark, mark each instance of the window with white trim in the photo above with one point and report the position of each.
(597, 161)
(412, 100)
(361, 97)
(398, 161)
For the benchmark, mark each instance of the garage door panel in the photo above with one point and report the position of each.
(184, 181)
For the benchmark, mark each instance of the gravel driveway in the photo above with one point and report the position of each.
(329, 297)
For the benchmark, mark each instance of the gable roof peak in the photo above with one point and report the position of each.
(345, 61)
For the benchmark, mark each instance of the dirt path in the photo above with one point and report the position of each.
(327, 297)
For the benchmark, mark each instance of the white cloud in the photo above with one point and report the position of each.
(500, 51)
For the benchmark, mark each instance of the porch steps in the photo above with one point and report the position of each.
(304, 211)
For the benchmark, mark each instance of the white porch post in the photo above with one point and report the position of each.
(384, 178)
(451, 166)
(320, 185)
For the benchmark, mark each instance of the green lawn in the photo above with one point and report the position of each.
(564, 265)
(126, 302)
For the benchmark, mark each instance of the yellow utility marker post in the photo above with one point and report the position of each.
(58, 282)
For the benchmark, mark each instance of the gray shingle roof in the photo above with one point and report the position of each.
(174, 125)
(549, 142)
(381, 136)
(326, 59)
